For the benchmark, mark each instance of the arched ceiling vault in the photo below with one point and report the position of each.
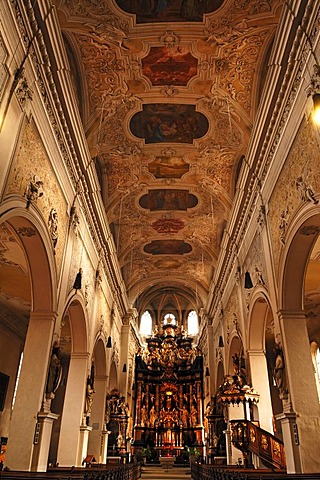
(168, 95)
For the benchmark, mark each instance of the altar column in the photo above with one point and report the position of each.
(301, 413)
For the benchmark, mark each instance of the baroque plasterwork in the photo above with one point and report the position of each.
(24, 168)
(303, 161)
(255, 263)
(230, 47)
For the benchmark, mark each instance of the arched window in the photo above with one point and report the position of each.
(315, 352)
(192, 323)
(169, 318)
(146, 324)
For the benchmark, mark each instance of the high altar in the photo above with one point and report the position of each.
(168, 393)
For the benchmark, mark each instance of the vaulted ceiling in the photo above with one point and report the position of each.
(168, 92)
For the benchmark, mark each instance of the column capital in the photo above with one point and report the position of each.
(292, 314)
(256, 353)
(43, 315)
(80, 355)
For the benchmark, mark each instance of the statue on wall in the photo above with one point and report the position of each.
(54, 373)
(89, 395)
(279, 374)
(33, 190)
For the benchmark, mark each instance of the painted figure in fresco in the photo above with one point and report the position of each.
(190, 10)
(159, 7)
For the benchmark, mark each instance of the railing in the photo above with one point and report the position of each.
(248, 437)
(211, 472)
(130, 471)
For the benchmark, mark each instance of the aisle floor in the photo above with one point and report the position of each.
(159, 473)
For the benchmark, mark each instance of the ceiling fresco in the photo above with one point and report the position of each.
(168, 92)
(149, 11)
(169, 66)
(163, 122)
(168, 247)
(168, 199)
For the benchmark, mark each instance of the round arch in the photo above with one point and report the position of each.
(259, 312)
(78, 325)
(33, 235)
(302, 234)
(261, 347)
(30, 235)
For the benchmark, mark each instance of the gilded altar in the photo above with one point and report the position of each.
(168, 393)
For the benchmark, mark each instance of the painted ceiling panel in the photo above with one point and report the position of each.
(169, 93)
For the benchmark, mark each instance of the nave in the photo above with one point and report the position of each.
(162, 473)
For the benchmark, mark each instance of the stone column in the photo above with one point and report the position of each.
(97, 417)
(260, 382)
(73, 411)
(104, 446)
(42, 440)
(83, 444)
(301, 437)
(30, 392)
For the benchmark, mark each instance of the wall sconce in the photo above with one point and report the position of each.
(124, 368)
(247, 281)
(77, 282)
(109, 343)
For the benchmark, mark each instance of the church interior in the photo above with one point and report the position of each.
(159, 233)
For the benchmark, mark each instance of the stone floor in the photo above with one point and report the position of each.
(163, 473)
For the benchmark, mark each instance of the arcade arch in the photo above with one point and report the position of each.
(28, 300)
(298, 285)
